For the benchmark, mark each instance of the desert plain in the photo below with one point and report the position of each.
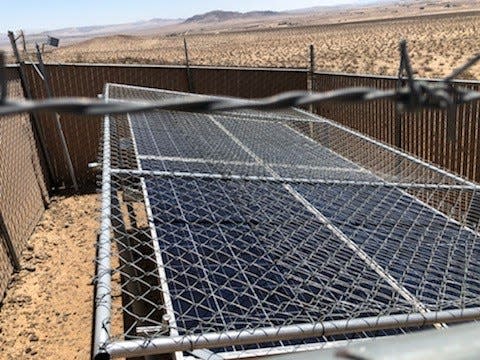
(438, 43)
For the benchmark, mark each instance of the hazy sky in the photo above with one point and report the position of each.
(52, 14)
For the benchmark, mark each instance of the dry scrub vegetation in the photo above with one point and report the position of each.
(437, 44)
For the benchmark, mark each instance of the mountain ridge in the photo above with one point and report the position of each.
(221, 15)
(110, 28)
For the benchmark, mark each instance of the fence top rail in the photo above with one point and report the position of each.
(200, 67)
(390, 77)
(242, 68)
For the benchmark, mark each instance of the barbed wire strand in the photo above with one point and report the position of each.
(416, 95)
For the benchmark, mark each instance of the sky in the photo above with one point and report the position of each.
(36, 15)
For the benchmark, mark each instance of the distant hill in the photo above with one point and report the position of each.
(219, 16)
(127, 28)
(352, 5)
(219, 20)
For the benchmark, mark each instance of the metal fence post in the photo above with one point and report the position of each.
(37, 130)
(398, 116)
(187, 67)
(8, 241)
(311, 83)
(311, 70)
(48, 90)
(24, 43)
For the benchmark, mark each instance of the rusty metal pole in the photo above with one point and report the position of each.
(48, 90)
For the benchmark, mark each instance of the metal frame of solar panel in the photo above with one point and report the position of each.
(255, 233)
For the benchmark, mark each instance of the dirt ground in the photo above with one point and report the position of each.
(47, 311)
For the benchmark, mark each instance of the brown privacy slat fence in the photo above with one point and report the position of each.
(423, 134)
(83, 133)
(23, 189)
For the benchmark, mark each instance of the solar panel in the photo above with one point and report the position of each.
(256, 220)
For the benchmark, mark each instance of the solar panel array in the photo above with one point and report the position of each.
(249, 220)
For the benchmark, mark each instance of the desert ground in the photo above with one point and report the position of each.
(47, 310)
(437, 43)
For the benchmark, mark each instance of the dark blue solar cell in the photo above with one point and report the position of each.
(243, 254)
(185, 135)
(399, 237)
(279, 143)
(239, 275)
(177, 252)
(175, 234)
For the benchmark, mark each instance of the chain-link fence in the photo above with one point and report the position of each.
(23, 185)
(423, 133)
(245, 233)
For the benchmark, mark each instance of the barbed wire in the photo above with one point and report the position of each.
(415, 95)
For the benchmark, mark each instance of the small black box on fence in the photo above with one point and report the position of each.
(52, 41)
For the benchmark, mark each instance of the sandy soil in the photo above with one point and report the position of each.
(437, 44)
(47, 311)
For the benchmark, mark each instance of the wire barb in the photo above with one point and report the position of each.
(453, 93)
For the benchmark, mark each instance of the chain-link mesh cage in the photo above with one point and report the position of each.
(249, 233)
(23, 189)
